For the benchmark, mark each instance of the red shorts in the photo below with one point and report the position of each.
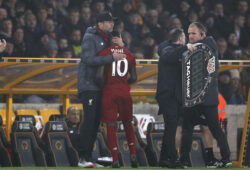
(116, 106)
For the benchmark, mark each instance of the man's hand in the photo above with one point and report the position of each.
(190, 47)
(2, 45)
(118, 41)
(118, 56)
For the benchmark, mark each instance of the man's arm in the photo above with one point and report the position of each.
(89, 54)
(133, 75)
(173, 54)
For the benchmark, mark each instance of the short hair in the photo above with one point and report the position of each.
(71, 109)
(200, 26)
(175, 34)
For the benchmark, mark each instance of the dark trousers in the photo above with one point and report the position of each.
(168, 149)
(91, 101)
(191, 118)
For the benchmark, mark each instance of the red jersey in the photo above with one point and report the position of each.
(116, 74)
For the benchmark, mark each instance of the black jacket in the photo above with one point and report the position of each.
(169, 84)
(211, 97)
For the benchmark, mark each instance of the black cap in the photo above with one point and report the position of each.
(105, 16)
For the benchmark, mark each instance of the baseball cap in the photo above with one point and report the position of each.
(105, 16)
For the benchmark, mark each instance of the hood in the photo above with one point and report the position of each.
(91, 30)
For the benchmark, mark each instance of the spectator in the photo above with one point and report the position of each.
(42, 44)
(19, 20)
(72, 22)
(237, 28)
(3, 14)
(6, 28)
(85, 17)
(42, 15)
(64, 44)
(223, 52)
(19, 44)
(154, 26)
(233, 46)
(66, 53)
(119, 26)
(127, 39)
(30, 33)
(225, 85)
(142, 10)
(132, 26)
(50, 27)
(237, 95)
(221, 21)
(242, 7)
(75, 40)
(52, 49)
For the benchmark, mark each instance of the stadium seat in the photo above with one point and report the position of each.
(123, 148)
(4, 145)
(101, 152)
(45, 113)
(60, 151)
(155, 132)
(3, 114)
(154, 141)
(26, 112)
(57, 118)
(26, 151)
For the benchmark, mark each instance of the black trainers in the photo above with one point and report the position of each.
(115, 164)
(226, 163)
(214, 164)
(133, 160)
(168, 164)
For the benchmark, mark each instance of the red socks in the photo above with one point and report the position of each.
(130, 134)
(112, 141)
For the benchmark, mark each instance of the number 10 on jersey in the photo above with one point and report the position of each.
(116, 67)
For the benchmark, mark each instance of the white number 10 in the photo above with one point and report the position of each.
(118, 68)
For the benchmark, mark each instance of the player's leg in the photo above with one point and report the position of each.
(112, 140)
(211, 114)
(109, 116)
(125, 110)
(207, 139)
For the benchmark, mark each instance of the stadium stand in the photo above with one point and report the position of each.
(4, 146)
(26, 151)
(60, 151)
(46, 113)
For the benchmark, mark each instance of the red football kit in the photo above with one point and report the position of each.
(116, 92)
(116, 99)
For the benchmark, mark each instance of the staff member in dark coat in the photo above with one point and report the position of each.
(208, 109)
(168, 93)
(94, 40)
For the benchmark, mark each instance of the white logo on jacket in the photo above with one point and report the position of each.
(90, 102)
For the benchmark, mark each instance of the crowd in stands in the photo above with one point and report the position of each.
(54, 28)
